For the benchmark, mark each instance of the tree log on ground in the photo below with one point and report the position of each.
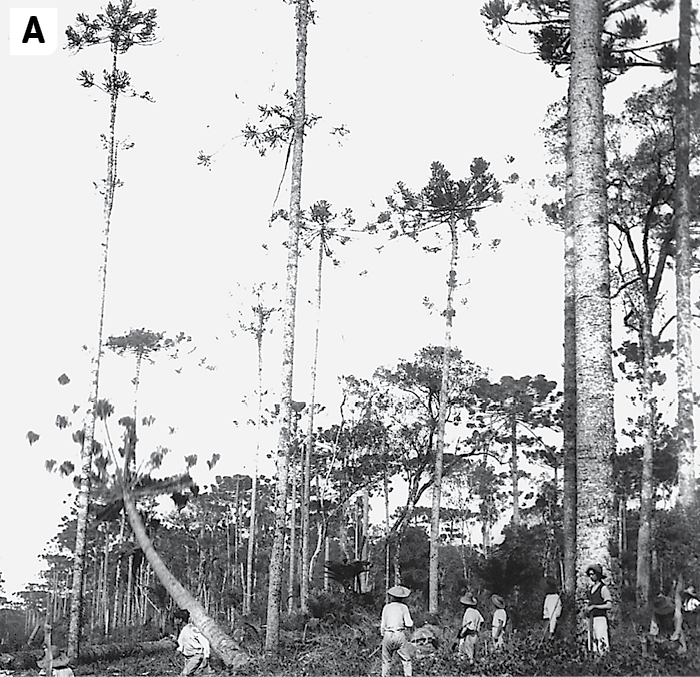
(25, 660)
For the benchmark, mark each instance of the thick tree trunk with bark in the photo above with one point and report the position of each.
(684, 319)
(286, 414)
(433, 580)
(569, 407)
(595, 439)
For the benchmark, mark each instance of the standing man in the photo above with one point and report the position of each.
(194, 646)
(599, 603)
(498, 623)
(552, 607)
(472, 621)
(395, 619)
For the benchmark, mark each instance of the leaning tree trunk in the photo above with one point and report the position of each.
(595, 425)
(286, 414)
(433, 596)
(83, 500)
(684, 317)
(221, 643)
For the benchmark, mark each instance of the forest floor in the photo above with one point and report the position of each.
(348, 647)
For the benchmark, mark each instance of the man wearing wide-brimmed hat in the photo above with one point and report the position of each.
(666, 627)
(472, 621)
(599, 603)
(498, 622)
(395, 619)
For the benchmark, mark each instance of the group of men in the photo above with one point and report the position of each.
(666, 622)
(396, 620)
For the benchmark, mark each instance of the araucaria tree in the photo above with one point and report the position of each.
(121, 27)
(258, 327)
(303, 16)
(443, 205)
(514, 409)
(322, 234)
(595, 424)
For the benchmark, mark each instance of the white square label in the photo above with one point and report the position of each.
(33, 31)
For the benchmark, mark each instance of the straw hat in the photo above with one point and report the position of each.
(398, 591)
(597, 569)
(467, 600)
(498, 601)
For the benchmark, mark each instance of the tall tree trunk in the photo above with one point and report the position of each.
(309, 447)
(83, 500)
(684, 361)
(292, 541)
(595, 439)
(433, 579)
(569, 405)
(646, 506)
(387, 528)
(285, 442)
(248, 595)
(514, 471)
(364, 555)
(221, 643)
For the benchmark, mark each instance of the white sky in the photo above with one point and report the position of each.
(412, 85)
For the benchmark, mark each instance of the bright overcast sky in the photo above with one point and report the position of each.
(413, 83)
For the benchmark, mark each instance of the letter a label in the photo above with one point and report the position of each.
(33, 31)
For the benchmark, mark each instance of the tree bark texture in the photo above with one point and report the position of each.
(284, 445)
(595, 425)
(684, 361)
(569, 407)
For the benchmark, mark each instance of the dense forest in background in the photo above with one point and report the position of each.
(502, 482)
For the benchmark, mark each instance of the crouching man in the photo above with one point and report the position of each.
(194, 646)
(55, 663)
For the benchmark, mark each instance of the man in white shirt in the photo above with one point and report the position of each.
(194, 646)
(498, 622)
(552, 607)
(471, 626)
(395, 619)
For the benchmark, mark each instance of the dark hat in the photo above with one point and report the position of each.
(550, 585)
(498, 601)
(398, 591)
(597, 569)
(467, 600)
(663, 605)
(181, 614)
